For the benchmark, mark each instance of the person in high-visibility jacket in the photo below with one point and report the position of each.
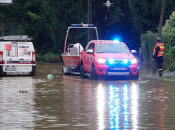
(158, 55)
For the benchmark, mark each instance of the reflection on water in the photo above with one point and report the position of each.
(123, 104)
(15, 105)
(134, 105)
(101, 106)
(114, 107)
(160, 106)
(72, 103)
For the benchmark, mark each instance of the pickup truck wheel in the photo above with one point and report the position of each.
(136, 77)
(93, 73)
(82, 72)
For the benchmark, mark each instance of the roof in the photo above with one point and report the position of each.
(106, 41)
(15, 38)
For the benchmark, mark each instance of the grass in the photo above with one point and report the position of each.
(169, 77)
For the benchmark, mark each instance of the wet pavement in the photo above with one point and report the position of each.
(71, 103)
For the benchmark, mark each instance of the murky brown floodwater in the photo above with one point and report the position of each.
(71, 103)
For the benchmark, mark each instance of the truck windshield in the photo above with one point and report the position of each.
(112, 48)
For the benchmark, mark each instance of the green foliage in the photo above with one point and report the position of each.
(143, 17)
(148, 42)
(48, 57)
(169, 26)
(34, 16)
(149, 32)
(120, 24)
(146, 14)
(144, 47)
(46, 21)
(168, 38)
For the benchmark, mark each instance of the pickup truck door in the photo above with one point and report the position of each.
(84, 58)
(89, 55)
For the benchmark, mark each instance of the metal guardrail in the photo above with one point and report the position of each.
(6, 2)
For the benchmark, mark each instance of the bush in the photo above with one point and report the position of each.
(148, 42)
(48, 57)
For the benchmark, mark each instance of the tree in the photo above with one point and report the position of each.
(169, 26)
(146, 14)
(47, 20)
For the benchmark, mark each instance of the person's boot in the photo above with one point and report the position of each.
(160, 73)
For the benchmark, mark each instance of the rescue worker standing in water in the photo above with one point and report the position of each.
(158, 55)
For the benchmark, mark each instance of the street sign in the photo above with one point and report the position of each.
(5, 1)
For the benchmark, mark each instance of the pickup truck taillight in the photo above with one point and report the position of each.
(1, 57)
(33, 57)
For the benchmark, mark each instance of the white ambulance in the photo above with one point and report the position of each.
(17, 55)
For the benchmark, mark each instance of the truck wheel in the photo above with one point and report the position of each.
(82, 72)
(65, 71)
(136, 77)
(93, 73)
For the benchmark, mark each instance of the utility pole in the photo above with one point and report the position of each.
(161, 18)
(108, 4)
(159, 31)
(89, 21)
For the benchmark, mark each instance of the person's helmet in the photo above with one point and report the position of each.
(158, 39)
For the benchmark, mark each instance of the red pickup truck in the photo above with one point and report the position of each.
(107, 57)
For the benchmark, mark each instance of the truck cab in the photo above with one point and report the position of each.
(106, 58)
(17, 55)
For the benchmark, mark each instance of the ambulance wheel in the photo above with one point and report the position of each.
(93, 73)
(33, 70)
(33, 74)
(82, 72)
(1, 70)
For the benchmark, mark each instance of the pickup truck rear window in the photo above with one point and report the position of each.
(112, 48)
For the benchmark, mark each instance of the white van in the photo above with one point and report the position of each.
(17, 55)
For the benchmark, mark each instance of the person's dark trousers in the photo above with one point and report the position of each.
(159, 61)
(154, 66)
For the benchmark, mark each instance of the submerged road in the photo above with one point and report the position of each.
(71, 103)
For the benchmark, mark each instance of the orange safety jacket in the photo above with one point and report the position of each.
(161, 51)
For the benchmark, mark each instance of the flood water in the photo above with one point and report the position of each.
(71, 103)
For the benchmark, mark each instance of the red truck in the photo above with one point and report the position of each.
(106, 58)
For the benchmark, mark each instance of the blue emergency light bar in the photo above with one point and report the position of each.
(82, 25)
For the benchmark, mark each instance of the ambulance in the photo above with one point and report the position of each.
(17, 55)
